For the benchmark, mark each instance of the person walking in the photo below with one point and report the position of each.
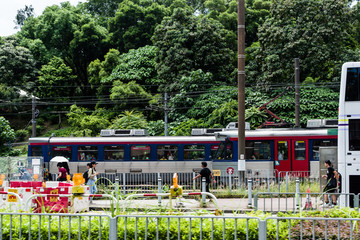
(206, 173)
(331, 183)
(62, 173)
(92, 179)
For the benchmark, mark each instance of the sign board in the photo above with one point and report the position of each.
(241, 165)
(230, 170)
(54, 199)
(216, 173)
(277, 163)
(12, 198)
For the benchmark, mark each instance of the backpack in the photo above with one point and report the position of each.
(86, 176)
(339, 181)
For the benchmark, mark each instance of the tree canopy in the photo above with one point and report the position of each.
(109, 63)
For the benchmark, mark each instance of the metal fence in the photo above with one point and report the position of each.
(97, 226)
(284, 202)
(263, 180)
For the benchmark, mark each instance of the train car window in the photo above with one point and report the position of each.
(224, 151)
(36, 151)
(321, 143)
(87, 153)
(114, 152)
(64, 151)
(282, 150)
(140, 152)
(300, 150)
(257, 150)
(352, 85)
(167, 152)
(194, 152)
(354, 134)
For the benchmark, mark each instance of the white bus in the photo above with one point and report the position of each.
(349, 131)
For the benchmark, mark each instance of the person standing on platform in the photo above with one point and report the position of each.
(206, 173)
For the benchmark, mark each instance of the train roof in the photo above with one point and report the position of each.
(123, 140)
(219, 136)
(277, 132)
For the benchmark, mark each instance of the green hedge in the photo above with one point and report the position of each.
(159, 226)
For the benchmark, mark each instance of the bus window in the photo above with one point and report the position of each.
(36, 151)
(167, 152)
(352, 85)
(257, 150)
(64, 151)
(194, 152)
(354, 134)
(140, 152)
(224, 151)
(87, 153)
(114, 152)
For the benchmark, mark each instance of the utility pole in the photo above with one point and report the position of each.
(241, 89)
(33, 120)
(166, 118)
(297, 93)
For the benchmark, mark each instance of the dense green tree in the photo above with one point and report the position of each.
(56, 77)
(184, 127)
(207, 102)
(80, 120)
(137, 65)
(23, 14)
(134, 23)
(156, 128)
(17, 65)
(316, 31)
(130, 95)
(315, 103)
(130, 120)
(7, 134)
(187, 43)
(191, 87)
(102, 8)
(68, 33)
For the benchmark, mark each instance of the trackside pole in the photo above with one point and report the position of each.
(229, 182)
(249, 193)
(203, 189)
(117, 188)
(124, 183)
(159, 189)
(297, 196)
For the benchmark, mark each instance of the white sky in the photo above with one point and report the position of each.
(8, 11)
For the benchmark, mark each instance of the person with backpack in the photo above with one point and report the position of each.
(92, 178)
(85, 174)
(331, 183)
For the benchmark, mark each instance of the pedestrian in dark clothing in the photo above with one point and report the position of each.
(206, 173)
(331, 182)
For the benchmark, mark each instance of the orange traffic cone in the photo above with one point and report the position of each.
(308, 204)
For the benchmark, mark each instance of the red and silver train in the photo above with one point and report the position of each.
(278, 150)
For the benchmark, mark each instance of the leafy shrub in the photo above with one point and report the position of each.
(21, 135)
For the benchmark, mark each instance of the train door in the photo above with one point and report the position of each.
(282, 157)
(300, 158)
